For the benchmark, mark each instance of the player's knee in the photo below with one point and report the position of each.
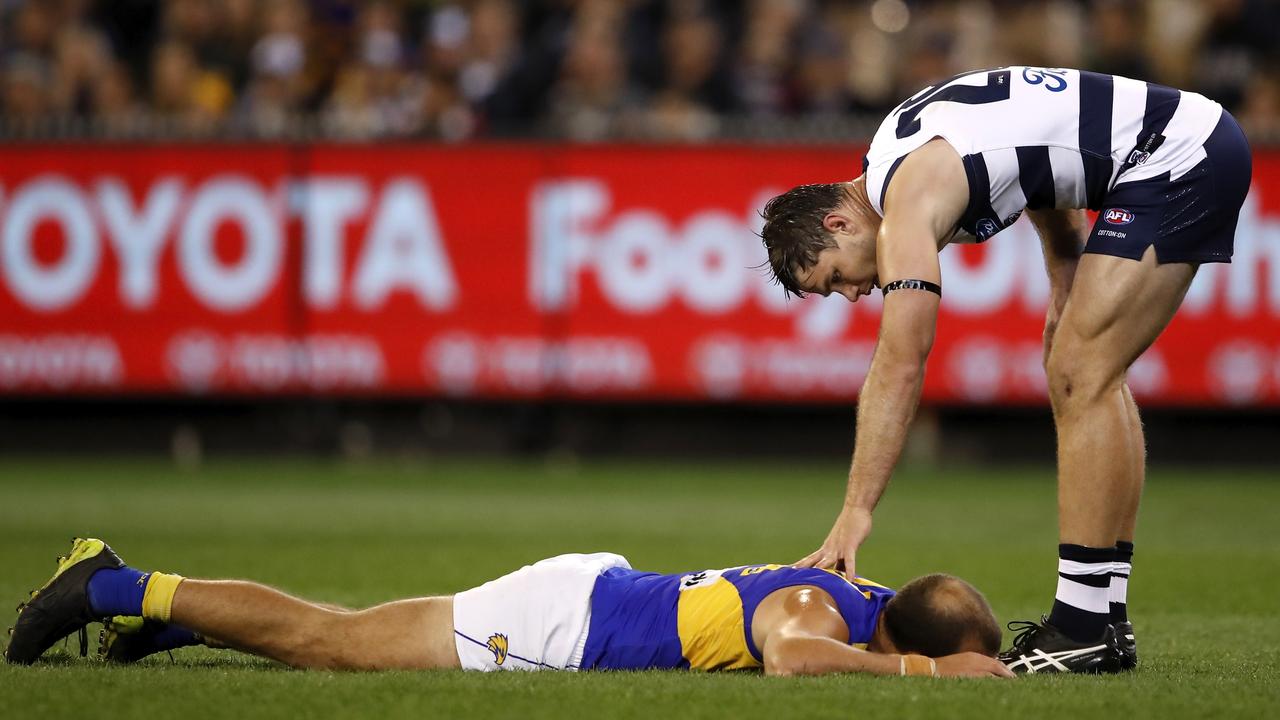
(1060, 373)
(1076, 379)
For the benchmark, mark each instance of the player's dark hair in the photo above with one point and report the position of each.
(940, 614)
(793, 232)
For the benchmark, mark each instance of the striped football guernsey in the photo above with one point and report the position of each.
(1043, 138)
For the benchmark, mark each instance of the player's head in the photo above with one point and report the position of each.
(938, 615)
(822, 239)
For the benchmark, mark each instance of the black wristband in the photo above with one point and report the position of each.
(913, 285)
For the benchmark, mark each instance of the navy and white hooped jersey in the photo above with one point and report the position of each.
(1043, 138)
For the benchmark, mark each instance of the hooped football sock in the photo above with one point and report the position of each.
(117, 591)
(1119, 590)
(157, 602)
(1081, 607)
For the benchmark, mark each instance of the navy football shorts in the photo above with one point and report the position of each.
(1191, 219)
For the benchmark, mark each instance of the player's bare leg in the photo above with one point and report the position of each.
(129, 639)
(1101, 499)
(93, 583)
(1118, 594)
(1118, 307)
(1137, 470)
(405, 635)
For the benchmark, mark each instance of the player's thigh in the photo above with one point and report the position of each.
(1116, 310)
(534, 618)
(1143, 252)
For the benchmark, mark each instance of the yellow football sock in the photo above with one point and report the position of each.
(157, 599)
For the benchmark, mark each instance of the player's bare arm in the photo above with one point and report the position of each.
(921, 208)
(800, 632)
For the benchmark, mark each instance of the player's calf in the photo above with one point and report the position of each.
(402, 635)
(264, 621)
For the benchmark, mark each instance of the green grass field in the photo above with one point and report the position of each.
(1204, 593)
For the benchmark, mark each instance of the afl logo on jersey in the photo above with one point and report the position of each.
(986, 227)
(1118, 216)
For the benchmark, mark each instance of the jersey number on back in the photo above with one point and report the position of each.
(699, 579)
(996, 89)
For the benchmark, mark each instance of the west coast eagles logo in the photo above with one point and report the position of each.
(498, 646)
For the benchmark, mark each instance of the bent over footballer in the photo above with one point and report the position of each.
(1167, 170)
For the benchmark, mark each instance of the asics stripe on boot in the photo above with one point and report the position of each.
(1042, 648)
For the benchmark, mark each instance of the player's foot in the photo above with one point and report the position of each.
(1042, 648)
(122, 639)
(129, 639)
(61, 606)
(1128, 645)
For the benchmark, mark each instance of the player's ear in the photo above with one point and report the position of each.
(835, 222)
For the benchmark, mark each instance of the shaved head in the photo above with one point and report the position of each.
(937, 615)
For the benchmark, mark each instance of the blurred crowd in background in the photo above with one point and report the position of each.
(585, 69)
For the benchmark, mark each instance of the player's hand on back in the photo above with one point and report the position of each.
(851, 529)
(971, 664)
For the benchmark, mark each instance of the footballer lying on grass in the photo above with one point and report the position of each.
(572, 612)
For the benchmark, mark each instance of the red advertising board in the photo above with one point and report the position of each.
(622, 272)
